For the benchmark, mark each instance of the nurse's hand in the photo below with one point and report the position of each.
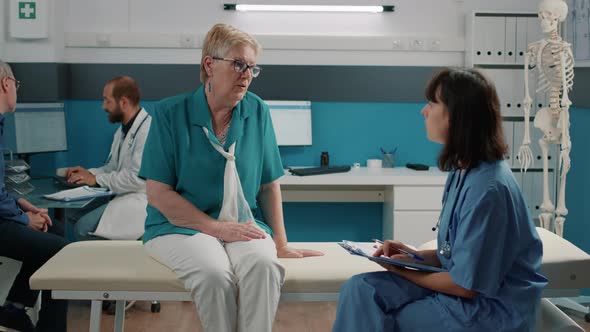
(390, 248)
(288, 252)
(232, 231)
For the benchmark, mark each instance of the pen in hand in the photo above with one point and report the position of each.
(411, 254)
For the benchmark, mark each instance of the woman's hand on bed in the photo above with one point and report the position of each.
(288, 252)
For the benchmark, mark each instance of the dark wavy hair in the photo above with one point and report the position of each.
(475, 125)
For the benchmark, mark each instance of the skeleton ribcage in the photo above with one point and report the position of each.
(550, 71)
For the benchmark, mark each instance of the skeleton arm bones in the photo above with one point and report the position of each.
(525, 155)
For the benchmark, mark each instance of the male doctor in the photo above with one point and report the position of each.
(122, 217)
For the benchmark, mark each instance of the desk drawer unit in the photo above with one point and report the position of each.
(414, 227)
(412, 214)
(417, 198)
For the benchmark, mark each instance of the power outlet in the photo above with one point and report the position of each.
(418, 44)
(398, 45)
(103, 40)
(434, 44)
(187, 41)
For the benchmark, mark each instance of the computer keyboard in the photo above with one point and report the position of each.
(319, 170)
(63, 181)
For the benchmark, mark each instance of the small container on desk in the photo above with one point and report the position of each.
(388, 160)
(325, 159)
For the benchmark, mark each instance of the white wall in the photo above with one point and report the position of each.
(156, 31)
(42, 50)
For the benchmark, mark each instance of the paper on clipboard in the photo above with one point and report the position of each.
(79, 194)
(366, 250)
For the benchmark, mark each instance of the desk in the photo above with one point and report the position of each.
(45, 186)
(412, 200)
(48, 186)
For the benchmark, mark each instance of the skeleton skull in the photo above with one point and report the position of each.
(551, 12)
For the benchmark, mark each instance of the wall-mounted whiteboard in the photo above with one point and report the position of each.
(291, 121)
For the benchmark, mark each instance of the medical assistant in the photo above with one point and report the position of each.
(488, 243)
(179, 154)
(124, 215)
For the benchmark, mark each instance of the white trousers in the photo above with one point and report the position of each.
(235, 286)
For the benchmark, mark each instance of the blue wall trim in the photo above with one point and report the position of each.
(350, 132)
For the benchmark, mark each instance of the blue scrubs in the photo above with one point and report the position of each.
(492, 248)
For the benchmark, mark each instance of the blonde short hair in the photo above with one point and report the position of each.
(220, 39)
(5, 70)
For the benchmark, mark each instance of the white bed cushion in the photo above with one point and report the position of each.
(565, 265)
(125, 266)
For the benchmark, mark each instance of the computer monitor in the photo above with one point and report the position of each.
(36, 127)
(291, 121)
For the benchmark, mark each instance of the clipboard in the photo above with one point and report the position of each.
(79, 194)
(360, 249)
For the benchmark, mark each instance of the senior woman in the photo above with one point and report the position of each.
(211, 159)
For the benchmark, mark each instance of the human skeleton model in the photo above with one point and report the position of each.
(554, 61)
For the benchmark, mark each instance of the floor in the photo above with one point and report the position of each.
(181, 316)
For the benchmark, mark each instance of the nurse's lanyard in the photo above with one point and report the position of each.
(131, 141)
(445, 249)
(235, 207)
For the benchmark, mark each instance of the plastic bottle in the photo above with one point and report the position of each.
(325, 159)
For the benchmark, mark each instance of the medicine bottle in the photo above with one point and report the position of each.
(325, 159)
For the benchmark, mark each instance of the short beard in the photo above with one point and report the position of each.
(116, 115)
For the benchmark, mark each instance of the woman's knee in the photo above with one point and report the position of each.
(357, 284)
(352, 284)
(210, 279)
(265, 265)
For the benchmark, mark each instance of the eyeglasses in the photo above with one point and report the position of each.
(16, 82)
(241, 66)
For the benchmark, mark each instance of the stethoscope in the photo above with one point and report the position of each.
(446, 250)
(129, 144)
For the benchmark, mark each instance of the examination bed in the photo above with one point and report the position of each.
(122, 270)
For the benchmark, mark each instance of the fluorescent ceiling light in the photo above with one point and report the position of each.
(310, 8)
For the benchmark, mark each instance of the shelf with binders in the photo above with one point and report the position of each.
(496, 44)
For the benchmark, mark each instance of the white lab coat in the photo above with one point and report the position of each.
(124, 216)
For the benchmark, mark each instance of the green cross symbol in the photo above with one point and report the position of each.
(27, 10)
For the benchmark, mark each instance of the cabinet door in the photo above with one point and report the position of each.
(503, 82)
(521, 41)
(414, 227)
(417, 197)
(537, 197)
(536, 134)
(508, 129)
(510, 41)
(582, 35)
(516, 91)
(518, 176)
(518, 137)
(534, 32)
(488, 40)
(528, 191)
